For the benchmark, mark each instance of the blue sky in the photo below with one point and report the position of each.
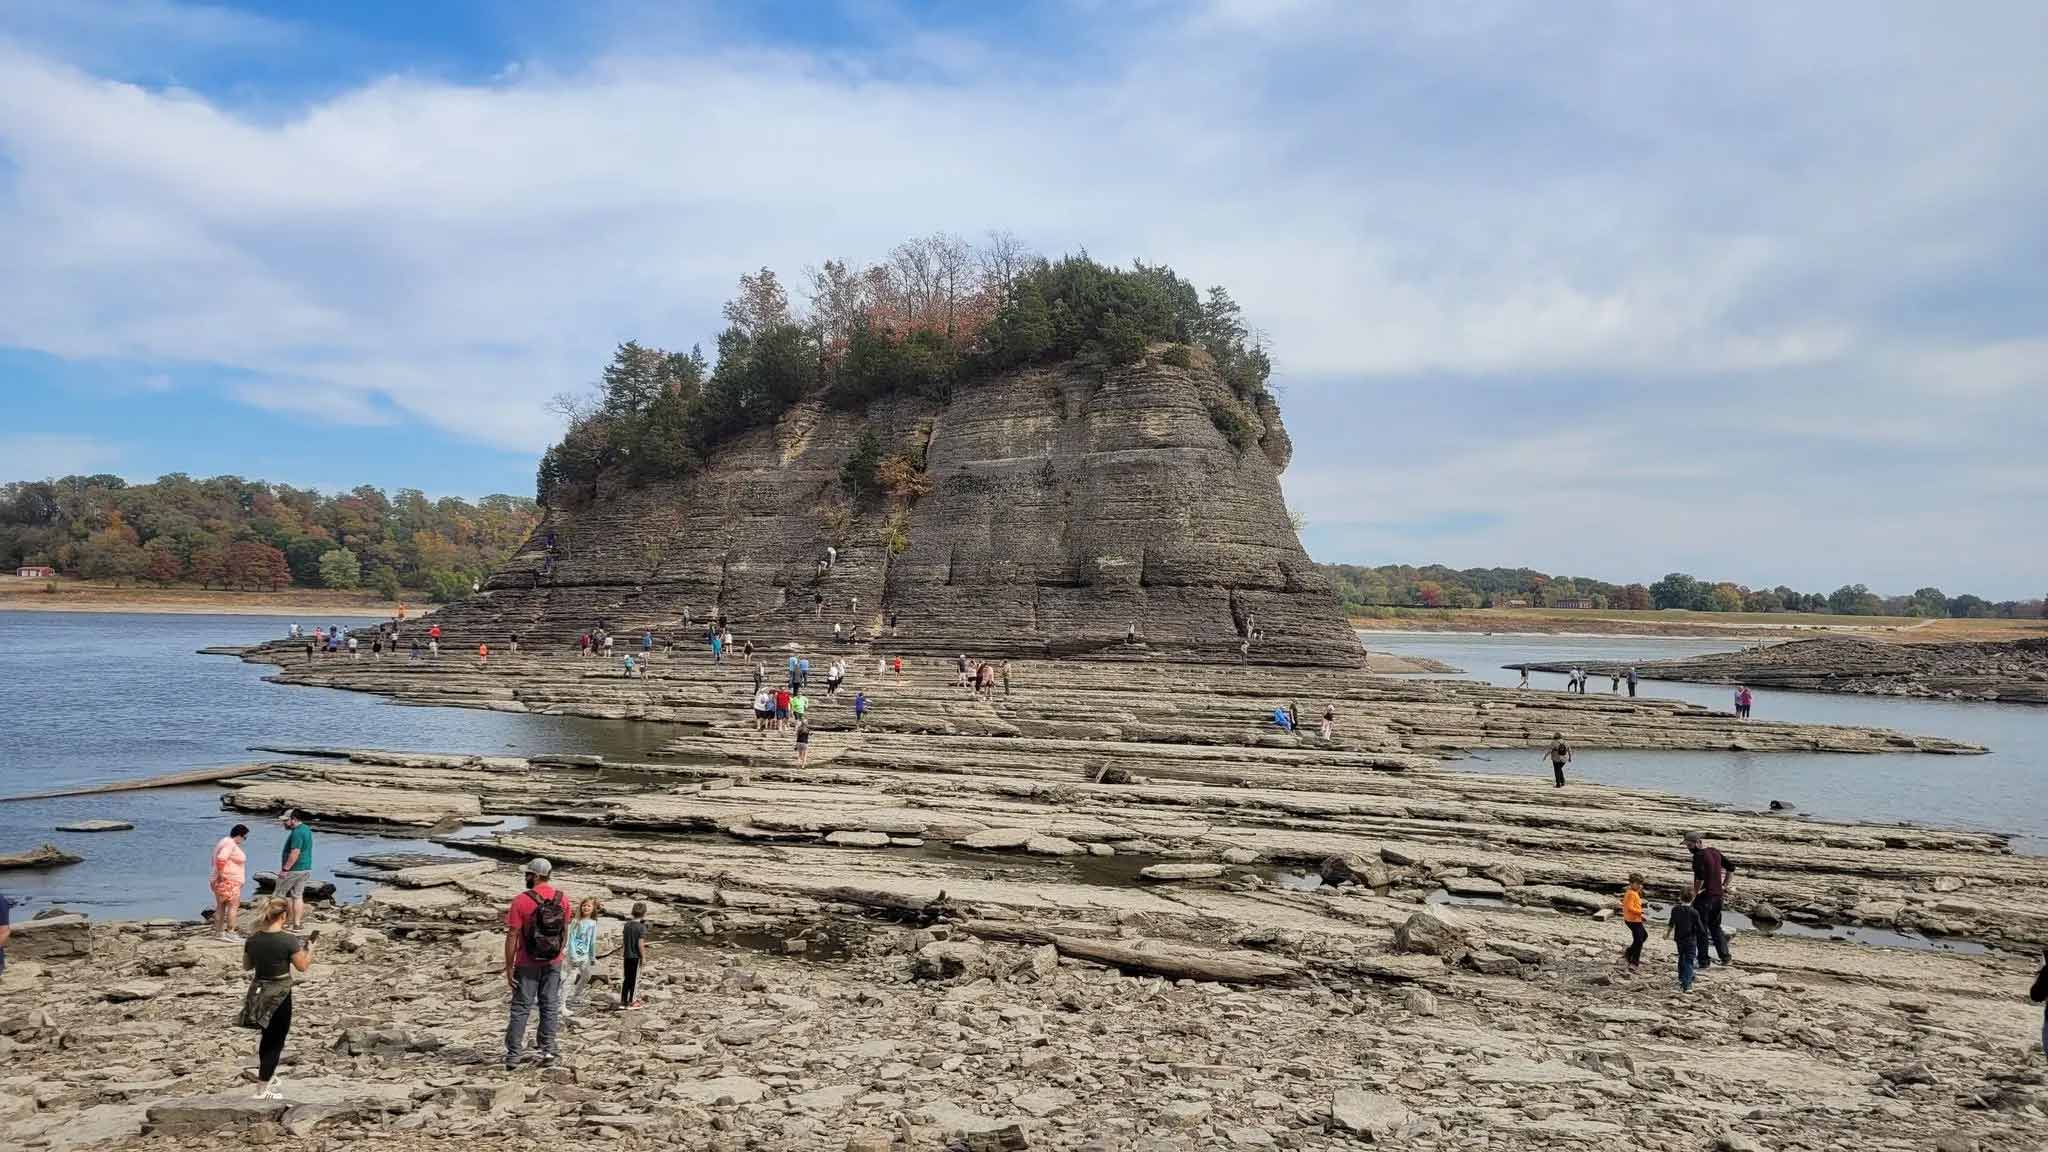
(1755, 291)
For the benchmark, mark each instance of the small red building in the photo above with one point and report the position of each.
(35, 572)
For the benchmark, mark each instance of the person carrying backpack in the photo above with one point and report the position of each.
(536, 937)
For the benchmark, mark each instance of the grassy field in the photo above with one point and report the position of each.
(1685, 623)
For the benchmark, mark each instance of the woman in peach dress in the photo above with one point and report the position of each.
(229, 870)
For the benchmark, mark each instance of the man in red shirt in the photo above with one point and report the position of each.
(781, 708)
(536, 936)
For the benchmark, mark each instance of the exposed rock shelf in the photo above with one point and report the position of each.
(2012, 672)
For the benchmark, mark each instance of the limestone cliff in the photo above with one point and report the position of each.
(1064, 507)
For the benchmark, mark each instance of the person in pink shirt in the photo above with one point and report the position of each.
(230, 869)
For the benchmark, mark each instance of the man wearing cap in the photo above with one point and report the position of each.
(536, 936)
(1711, 872)
(296, 867)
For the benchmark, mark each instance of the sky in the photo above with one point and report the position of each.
(1754, 291)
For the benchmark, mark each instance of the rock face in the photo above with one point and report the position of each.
(2014, 671)
(1064, 509)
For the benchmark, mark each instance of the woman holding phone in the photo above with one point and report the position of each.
(272, 956)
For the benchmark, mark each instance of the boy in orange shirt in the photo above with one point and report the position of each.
(1632, 915)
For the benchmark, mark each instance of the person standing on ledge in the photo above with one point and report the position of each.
(296, 867)
(803, 741)
(1711, 873)
(1560, 754)
(230, 865)
(536, 936)
(1631, 681)
(1632, 916)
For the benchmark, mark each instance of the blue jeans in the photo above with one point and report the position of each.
(1685, 960)
(534, 984)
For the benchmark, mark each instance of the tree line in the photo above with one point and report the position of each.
(228, 532)
(1435, 586)
(938, 313)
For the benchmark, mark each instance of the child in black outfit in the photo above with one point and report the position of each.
(631, 953)
(1687, 929)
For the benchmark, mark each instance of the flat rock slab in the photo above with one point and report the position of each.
(1521, 1070)
(97, 826)
(1373, 1115)
(1606, 1015)
(1052, 846)
(192, 1115)
(719, 1090)
(1181, 871)
(1474, 887)
(133, 990)
(998, 839)
(41, 856)
(846, 839)
(435, 875)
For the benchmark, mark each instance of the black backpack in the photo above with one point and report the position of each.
(544, 928)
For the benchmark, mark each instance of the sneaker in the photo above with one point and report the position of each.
(547, 1060)
(511, 1063)
(231, 938)
(274, 1090)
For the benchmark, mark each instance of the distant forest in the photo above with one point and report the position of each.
(1362, 590)
(228, 532)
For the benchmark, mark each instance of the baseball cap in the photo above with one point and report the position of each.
(539, 866)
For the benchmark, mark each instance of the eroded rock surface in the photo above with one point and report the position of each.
(2012, 671)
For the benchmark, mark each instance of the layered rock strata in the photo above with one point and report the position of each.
(1065, 509)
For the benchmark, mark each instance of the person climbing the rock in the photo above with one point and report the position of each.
(483, 655)
(803, 742)
(434, 633)
(760, 676)
(963, 671)
(746, 649)
(1329, 720)
(782, 699)
(834, 676)
(1631, 681)
(985, 681)
(1131, 633)
(1560, 754)
(1244, 651)
(629, 668)
(818, 602)
(1005, 670)
(536, 938)
(377, 646)
(606, 640)
(414, 656)
(230, 870)
(838, 633)
(798, 705)
(1689, 934)
(1711, 873)
(433, 649)
(860, 709)
(831, 557)
(515, 643)
(583, 644)
(892, 625)
(764, 708)
(1632, 916)
(803, 673)
(1282, 720)
(792, 674)
(718, 647)
(896, 665)
(270, 957)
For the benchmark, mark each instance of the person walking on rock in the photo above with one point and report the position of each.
(230, 869)
(1560, 754)
(1690, 935)
(631, 953)
(536, 937)
(271, 956)
(1711, 873)
(295, 868)
(1005, 670)
(1525, 677)
(2038, 993)
(860, 709)
(834, 676)
(782, 700)
(582, 953)
(1632, 916)
(1329, 720)
(803, 741)
(764, 711)
(483, 655)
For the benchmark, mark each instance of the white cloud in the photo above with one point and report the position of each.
(1770, 223)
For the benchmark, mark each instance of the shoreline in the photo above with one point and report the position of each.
(182, 602)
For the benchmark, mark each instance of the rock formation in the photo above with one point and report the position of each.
(1065, 507)
(2013, 672)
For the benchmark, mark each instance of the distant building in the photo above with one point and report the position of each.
(1511, 603)
(1576, 602)
(35, 572)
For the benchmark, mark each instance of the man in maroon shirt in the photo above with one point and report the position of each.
(1711, 871)
(536, 936)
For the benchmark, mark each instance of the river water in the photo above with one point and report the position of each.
(2005, 791)
(89, 698)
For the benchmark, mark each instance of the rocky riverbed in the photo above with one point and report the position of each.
(2012, 672)
(1111, 910)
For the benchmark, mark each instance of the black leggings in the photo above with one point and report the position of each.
(271, 1047)
(1636, 935)
(631, 984)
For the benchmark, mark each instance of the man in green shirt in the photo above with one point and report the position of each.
(797, 704)
(296, 867)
